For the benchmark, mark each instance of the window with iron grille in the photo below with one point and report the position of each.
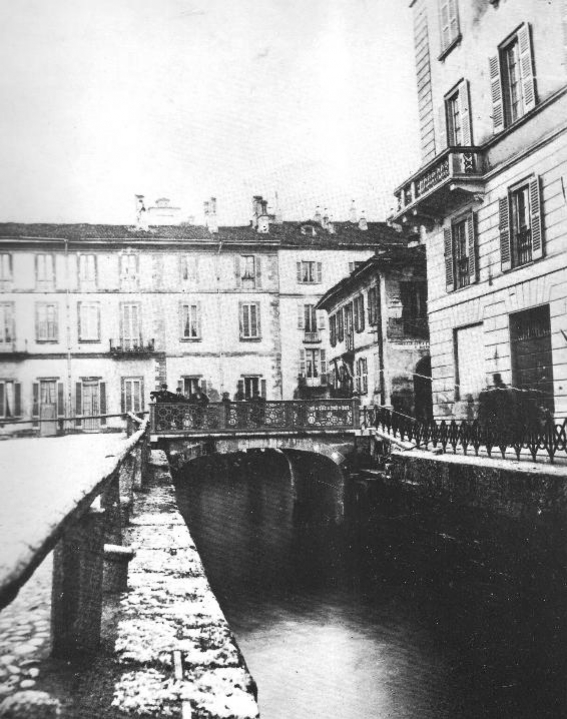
(249, 321)
(461, 266)
(521, 228)
(46, 322)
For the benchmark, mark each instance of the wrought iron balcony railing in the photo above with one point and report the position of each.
(440, 186)
(522, 247)
(312, 336)
(129, 347)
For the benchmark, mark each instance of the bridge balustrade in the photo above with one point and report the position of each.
(251, 417)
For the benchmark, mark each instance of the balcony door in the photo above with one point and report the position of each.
(130, 328)
(91, 403)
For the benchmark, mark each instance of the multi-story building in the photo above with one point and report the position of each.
(378, 338)
(490, 196)
(93, 318)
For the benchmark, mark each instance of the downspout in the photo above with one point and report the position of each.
(219, 314)
(68, 325)
(382, 330)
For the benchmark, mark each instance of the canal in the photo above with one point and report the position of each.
(348, 602)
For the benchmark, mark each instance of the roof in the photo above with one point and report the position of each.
(387, 259)
(286, 234)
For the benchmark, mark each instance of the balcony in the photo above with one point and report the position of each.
(129, 349)
(407, 328)
(310, 337)
(14, 349)
(440, 187)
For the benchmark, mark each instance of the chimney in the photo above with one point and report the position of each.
(278, 219)
(141, 214)
(211, 215)
(325, 220)
(317, 215)
(331, 229)
(362, 222)
(352, 213)
(256, 209)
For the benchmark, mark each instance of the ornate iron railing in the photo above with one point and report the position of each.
(549, 436)
(127, 348)
(265, 417)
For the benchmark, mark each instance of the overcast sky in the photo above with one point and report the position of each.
(102, 99)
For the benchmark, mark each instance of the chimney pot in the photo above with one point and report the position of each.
(352, 213)
(362, 222)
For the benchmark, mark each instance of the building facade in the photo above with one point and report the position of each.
(94, 318)
(490, 197)
(378, 338)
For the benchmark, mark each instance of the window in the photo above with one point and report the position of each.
(309, 272)
(413, 296)
(359, 313)
(130, 326)
(189, 269)
(460, 253)
(521, 231)
(46, 325)
(361, 377)
(349, 328)
(5, 270)
(45, 272)
(352, 266)
(333, 330)
(48, 403)
(191, 321)
(248, 273)
(307, 319)
(90, 403)
(249, 321)
(89, 322)
(10, 399)
(132, 394)
(373, 306)
(313, 365)
(512, 79)
(6, 324)
(87, 271)
(190, 385)
(449, 24)
(129, 271)
(252, 386)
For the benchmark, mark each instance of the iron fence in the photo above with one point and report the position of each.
(547, 436)
(251, 416)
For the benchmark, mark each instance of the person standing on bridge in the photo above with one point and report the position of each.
(200, 400)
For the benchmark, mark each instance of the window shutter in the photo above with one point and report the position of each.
(102, 387)
(17, 399)
(321, 320)
(362, 318)
(237, 274)
(504, 227)
(464, 101)
(319, 267)
(263, 388)
(536, 219)
(323, 362)
(472, 248)
(527, 68)
(240, 388)
(123, 396)
(496, 92)
(60, 399)
(199, 320)
(453, 20)
(78, 402)
(449, 276)
(241, 318)
(35, 401)
(258, 325)
(350, 268)
(300, 316)
(302, 363)
(2, 399)
(299, 271)
(56, 322)
(442, 128)
(258, 267)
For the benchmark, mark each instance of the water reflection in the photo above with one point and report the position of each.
(374, 608)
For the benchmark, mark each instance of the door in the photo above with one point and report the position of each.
(91, 406)
(532, 361)
(48, 407)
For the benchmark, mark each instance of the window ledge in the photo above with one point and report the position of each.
(89, 342)
(450, 47)
(47, 342)
(250, 339)
(190, 339)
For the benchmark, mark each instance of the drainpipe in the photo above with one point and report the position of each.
(220, 323)
(382, 333)
(68, 326)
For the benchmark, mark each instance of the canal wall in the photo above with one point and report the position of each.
(172, 639)
(517, 490)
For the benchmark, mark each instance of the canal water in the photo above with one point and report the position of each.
(348, 602)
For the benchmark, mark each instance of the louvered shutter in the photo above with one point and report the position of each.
(453, 20)
(60, 399)
(241, 318)
(17, 399)
(300, 316)
(237, 274)
(319, 268)
(299, 271)
(536, 219)
(78, 402)
(526, 64)
(35, 402)
(449, 274)
(464, 102)
(302, 362)
(321, 320)
(442, 128)
(263, 388)
(240, 388)
(258, 268)
(504, 227)
(323, 367)
(496, 93)
(199, 321)
(362, 317)
(102, 388)
(472, 248)
(2, 399)
(258, 324)
(123, 395)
